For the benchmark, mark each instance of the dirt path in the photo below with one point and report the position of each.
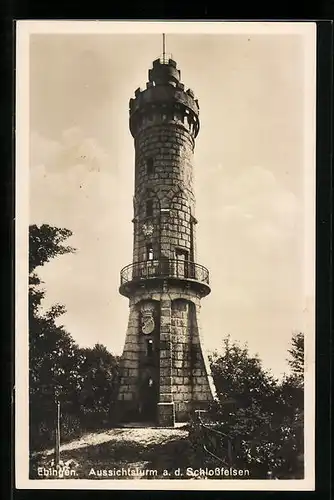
(146, 436)
(133, 451)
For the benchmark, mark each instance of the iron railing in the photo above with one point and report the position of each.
(164, 268)
(216, 443)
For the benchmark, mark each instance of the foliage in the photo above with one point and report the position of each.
(258, 418)
(296, 359)
(58, 368)
(100, 374)
(45, 243)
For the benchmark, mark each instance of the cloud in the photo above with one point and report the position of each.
(43, 151)
(72, 148)
(252, 203)
(250, 238)
(85, 196)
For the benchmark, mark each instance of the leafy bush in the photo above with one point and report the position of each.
(257, 422)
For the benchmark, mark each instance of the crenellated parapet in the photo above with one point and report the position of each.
(164, 101)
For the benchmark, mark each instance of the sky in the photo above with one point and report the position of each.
(250, 170)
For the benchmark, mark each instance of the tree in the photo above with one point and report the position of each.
(292, 390)
(296, 360)
(253, 421)
(83, 379)
(45, 243)
(240, 377)
(247, 396)
(100, 376)
(54, 357)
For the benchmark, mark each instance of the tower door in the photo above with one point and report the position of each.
(182, 262)
(148, 400)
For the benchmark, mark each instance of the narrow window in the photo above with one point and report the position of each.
(181, 254)
(149, 348)
(149, 166)
(149, 208)
(149, 251)
(182, 263)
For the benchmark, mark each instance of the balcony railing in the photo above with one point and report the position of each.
(164, 268)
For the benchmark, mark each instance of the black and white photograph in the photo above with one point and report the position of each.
(165, 255)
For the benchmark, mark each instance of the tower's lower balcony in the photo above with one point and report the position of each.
(150, 272)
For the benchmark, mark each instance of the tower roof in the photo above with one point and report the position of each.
(164, 72)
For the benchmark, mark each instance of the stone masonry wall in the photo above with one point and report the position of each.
(136, 367)
(190, 372)
(182, 371)
(169, 186)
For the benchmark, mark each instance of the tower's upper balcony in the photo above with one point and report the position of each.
(150, 272)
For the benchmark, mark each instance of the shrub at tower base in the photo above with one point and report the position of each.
(259, 419)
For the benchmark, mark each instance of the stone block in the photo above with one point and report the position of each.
(166, 414)
(166, 371)
(131, 339)
(165, 304)
(165, 362)
(165, 329)
(178, 396)
(165, 389)
(201, 396)
(166, 398)
(130, 356)
(165, 380)
(165, 320)
(165, 337)
(197, 389)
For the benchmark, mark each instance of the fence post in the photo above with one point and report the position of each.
(57, 434)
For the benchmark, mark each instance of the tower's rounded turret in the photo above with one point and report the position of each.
(164, 100)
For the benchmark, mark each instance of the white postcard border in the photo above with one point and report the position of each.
(24, 29)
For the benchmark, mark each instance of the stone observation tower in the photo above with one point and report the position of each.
(164, 374)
